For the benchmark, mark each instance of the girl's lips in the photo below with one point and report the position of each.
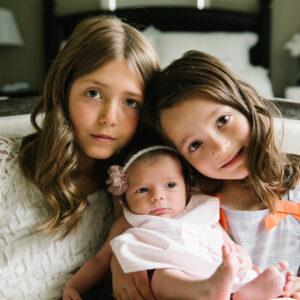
(103, 137)
(159, 211)
(235, 159)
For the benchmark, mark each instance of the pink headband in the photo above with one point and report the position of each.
(118, 179)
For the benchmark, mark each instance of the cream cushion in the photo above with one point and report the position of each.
(291, 134)
(19, 125)
(15, 126)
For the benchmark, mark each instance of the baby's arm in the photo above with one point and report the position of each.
(95, 269)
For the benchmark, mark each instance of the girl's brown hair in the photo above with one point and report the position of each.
(49, 156)
(271, 172)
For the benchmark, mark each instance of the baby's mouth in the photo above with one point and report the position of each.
(159, 211)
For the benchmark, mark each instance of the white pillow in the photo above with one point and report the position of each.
(259, 78)
(232, 48)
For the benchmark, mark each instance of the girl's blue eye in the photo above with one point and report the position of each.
(171, 185)
(142, 190)
(131, 103)
(93, 94)
(222, 120)
(194, 146)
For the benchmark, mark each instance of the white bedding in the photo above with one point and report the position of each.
(233, 48)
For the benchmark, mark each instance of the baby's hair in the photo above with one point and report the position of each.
(49, 156)
(271, 172)
(152, 155)
(118, 175)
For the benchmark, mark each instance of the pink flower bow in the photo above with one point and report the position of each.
(118, 180)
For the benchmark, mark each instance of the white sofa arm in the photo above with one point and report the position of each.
(15, 126)
(19, 125)
(291, 137)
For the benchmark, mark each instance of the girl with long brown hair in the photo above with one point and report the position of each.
(55, 212)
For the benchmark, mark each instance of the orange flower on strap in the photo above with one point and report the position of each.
(284, 208)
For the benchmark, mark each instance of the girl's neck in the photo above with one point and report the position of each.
(84, 177)
(236, 196)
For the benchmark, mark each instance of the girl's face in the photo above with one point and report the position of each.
(213, 137)
(104, 108)
(156, 187)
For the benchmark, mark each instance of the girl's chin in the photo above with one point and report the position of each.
(239, 176)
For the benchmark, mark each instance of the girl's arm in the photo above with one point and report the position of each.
(118, 210)
(96, 268)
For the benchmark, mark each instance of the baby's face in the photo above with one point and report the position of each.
(156, 187)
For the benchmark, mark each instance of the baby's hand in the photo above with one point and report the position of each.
(70, 293)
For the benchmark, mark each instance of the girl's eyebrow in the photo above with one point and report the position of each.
(131, 94)
(93, 82)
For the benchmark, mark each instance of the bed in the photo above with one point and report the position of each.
(239, 39)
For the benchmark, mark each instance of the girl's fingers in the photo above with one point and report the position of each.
(143, 285)
(256, 269)
(296, 295)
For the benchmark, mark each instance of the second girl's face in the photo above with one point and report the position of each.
(213, 137)
(156, 187)
(104, 107)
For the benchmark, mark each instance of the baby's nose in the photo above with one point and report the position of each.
(157, 196)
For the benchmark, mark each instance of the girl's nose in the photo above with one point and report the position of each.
(108, 114)
(220, 145)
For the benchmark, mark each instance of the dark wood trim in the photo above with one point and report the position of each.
(58, 28)
(18, 106)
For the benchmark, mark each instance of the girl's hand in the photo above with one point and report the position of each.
(70, 293)
(292, 289)
(128, 286)
(244, 259)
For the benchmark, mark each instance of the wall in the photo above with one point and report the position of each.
(285, 22)
(26, 63)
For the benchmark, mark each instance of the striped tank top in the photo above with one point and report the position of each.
(281, 242)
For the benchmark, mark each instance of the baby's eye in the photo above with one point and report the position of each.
(194, 146)
(142, 190)
(132, 103)
(222, 120)
(171, 185)
(93, 94)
